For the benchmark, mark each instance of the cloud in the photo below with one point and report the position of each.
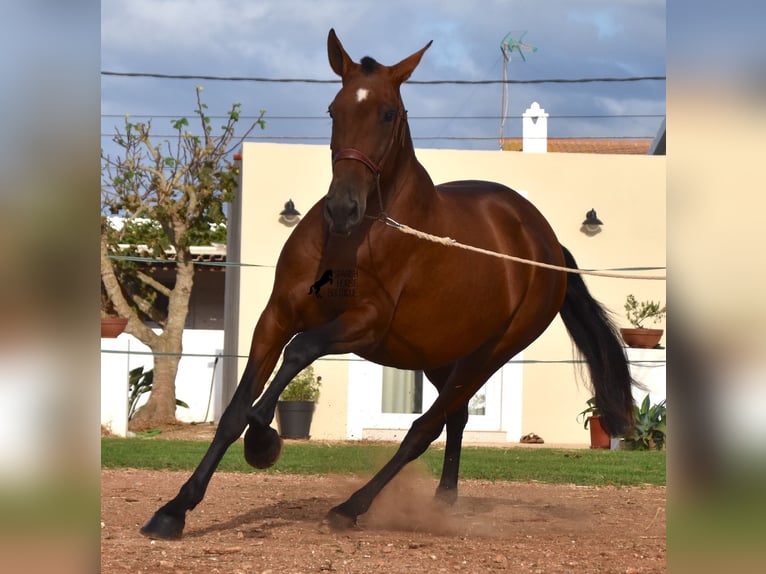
(287, 38)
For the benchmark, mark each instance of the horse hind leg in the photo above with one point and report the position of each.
(446, 492)
(421, 434)
(450, 404)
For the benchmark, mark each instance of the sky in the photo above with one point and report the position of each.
(288, 39)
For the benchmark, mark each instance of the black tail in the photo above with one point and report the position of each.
(598, 342)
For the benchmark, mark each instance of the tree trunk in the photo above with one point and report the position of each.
(160, 409)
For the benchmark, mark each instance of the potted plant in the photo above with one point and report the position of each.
(650, 427)
(295, 408)
(591, 419)
(111, 323)
(638, 312)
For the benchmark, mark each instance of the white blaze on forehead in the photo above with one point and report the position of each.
(361, 94)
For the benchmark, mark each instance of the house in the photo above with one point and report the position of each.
(537, 392)
(361, 400)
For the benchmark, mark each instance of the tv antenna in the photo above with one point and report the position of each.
(512, 42)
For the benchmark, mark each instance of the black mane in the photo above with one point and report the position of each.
(369, 65)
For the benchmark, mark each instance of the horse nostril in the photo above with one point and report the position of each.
(342, 214)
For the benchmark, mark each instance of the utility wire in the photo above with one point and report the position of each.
(647, 362)
(421, 82)
(420, 118)
(326, 138)
(138, 259)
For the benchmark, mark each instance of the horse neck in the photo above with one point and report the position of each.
(409, 182)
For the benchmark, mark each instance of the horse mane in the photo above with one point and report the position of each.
(369, 65)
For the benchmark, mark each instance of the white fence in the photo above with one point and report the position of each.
(198, 382)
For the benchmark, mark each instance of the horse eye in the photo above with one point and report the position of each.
(389, 115)
(329, 112)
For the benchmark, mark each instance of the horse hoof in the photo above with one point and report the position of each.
(446, 496)
(337, 520)
(262, 446)
(163, 526)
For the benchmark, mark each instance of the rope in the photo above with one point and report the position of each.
(448, 241)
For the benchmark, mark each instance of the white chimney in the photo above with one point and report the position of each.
(534, 129)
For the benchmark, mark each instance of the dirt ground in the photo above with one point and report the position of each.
(272, 524)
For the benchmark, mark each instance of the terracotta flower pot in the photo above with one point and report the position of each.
(111, 327)
(598, 436)
(641, 338)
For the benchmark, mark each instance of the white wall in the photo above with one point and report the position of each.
(627, 191)
(194, 383)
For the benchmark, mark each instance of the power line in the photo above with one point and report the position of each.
(419, 118)
(643, 362)
(416, 138)
(139, 259)
(334, 81)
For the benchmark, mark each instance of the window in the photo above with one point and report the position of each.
(402, 391)
(477, 404)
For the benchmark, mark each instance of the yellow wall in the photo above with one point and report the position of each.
(627, 191)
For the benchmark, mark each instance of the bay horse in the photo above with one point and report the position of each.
(455, 315)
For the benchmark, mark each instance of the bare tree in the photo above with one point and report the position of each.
(172, 193)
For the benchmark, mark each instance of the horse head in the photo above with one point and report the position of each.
(369, 127)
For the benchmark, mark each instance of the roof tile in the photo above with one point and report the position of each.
(587, 145)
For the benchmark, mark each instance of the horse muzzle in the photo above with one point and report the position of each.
(343, 213)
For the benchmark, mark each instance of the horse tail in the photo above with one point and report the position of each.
(599, 343)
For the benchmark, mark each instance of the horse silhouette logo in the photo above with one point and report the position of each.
(323, 280)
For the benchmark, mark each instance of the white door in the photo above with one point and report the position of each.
(384, 398)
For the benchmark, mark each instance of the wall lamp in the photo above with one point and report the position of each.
(592, 224)
(289, 215)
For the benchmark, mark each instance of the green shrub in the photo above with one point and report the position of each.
(637, 312)
(304, 387)
(650, 427)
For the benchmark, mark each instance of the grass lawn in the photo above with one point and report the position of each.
(582, 467)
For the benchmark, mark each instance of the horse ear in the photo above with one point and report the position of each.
(402, 71)
(340, 62)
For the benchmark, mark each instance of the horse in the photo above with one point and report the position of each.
(408, 305)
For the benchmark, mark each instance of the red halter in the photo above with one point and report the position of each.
(375, 168)
(351, 153)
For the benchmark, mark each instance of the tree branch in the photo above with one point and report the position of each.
(153, 283)
(114, 292)
(147, 309)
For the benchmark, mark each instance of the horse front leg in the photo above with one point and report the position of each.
(262, 443)
(169, 521)
(341, 335)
